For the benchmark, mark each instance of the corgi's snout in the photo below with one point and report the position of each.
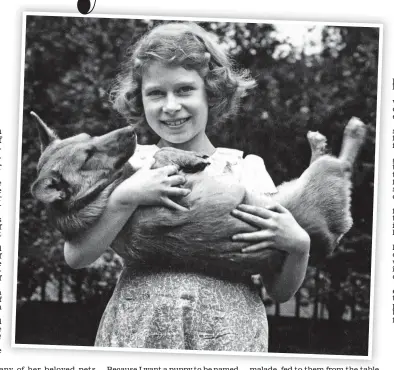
(129, 131)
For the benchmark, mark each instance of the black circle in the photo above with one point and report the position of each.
(83, 6)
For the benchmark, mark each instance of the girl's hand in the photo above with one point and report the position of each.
(150, 188)
(277, 229)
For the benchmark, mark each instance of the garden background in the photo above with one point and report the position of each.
(70, 66)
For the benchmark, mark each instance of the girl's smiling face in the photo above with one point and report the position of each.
(176, 106)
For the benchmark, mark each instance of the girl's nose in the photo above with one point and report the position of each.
(171, 105)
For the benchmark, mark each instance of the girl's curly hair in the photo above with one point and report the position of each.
(184, 45)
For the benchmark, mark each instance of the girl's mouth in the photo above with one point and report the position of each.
(176, 123)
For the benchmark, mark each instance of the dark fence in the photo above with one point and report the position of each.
(53, 323)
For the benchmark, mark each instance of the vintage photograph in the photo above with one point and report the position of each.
(197, 185)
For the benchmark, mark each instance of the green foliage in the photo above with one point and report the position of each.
(71, 63)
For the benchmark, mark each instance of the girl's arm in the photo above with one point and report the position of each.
(277, 229)
(84, 250)
(145, 187)
(283, 286)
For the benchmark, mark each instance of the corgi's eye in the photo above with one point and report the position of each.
(89, 153)
(55, 185)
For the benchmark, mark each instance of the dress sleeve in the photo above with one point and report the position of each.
(255, 176)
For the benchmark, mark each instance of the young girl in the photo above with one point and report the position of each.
(178, 80)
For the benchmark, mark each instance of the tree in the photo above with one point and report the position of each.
(70, 65)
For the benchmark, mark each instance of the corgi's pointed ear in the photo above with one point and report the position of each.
(46, 135)
(50, 189)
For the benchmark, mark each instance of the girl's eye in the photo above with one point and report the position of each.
(155, 93)
(185, 89)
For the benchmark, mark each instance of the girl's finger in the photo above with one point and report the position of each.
(177, 192)
(170, 169)
(251, 219)
(276, 207)
(257, 211)
(176, 180)
(256, 236)
(257, 247)
(171, 204)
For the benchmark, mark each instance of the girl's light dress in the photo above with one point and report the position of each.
(167, 309)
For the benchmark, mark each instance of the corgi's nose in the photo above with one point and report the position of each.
(129, 130)
(131, 134)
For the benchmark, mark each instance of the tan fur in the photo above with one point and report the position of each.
(198, 239)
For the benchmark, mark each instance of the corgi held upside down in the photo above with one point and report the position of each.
(77, 175)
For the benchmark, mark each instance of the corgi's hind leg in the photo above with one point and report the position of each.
(318, 143)
(353, 139)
